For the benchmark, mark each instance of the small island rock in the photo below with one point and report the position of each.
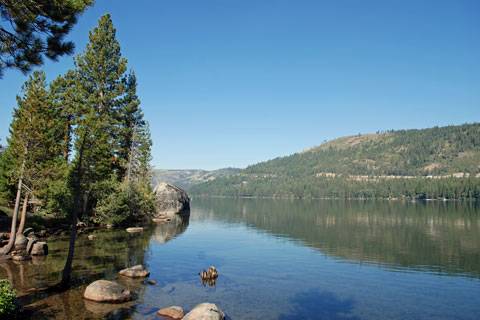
(91, 237)
(106, 291)
(170, 199)
(134, 229)
(175, 313)
(205, 311)
(135, 272)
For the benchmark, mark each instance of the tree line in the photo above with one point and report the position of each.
(412, 164)
(79, 146)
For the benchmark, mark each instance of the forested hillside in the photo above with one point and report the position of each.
(439, 162)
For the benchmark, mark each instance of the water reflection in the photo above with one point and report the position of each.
(166, 231)
(102, 258)
(438, 237)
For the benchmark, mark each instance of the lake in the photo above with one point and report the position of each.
(277, 259)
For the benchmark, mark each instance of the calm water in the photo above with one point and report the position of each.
(278, 259)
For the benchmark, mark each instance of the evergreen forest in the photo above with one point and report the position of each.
(434, 163)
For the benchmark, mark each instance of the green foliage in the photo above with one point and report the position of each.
(35, 137)
(122, 200)
(92, 112)
(7, 296)
(33, 29)
(112, 206)
(413, 164)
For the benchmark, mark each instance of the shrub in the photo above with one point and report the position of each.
(7, 296)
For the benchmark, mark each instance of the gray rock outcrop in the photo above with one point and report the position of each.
(106, 291)
(205, 311)
(170, 199)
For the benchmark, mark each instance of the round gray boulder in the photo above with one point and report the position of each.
(106, 291)
(205, 311)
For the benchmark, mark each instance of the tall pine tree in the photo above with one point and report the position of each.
(99, 90)
(34, 144)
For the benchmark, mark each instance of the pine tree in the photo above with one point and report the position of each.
(130, 121)
(62, 92)
(33, 145)
(99, 90)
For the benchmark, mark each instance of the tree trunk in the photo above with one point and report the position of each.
(11, 242)
(66, 275)
(24, 214)
(67, 137)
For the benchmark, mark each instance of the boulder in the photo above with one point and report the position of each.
(135, 272)
(91, 237)
(106, 291)
(134, 229)
(175, 313)
(39, 249)
(27, 232)
(205, 311)
(20, 241)
(170, 199)
(31, 242)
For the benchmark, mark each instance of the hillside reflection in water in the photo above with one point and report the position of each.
(276, 259)
(440, 237)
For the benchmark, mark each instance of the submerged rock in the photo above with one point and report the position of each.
(106, 291)
(170, 199)
(175, 313)
(205, 311)
(21, 257)
(135, 272)
(39, 249)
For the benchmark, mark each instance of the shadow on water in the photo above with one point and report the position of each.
(314, 304)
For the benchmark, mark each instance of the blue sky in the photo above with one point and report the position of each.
(232, 83)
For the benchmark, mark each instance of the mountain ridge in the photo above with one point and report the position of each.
(414, 163)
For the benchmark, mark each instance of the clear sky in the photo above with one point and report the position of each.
(232, 83)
